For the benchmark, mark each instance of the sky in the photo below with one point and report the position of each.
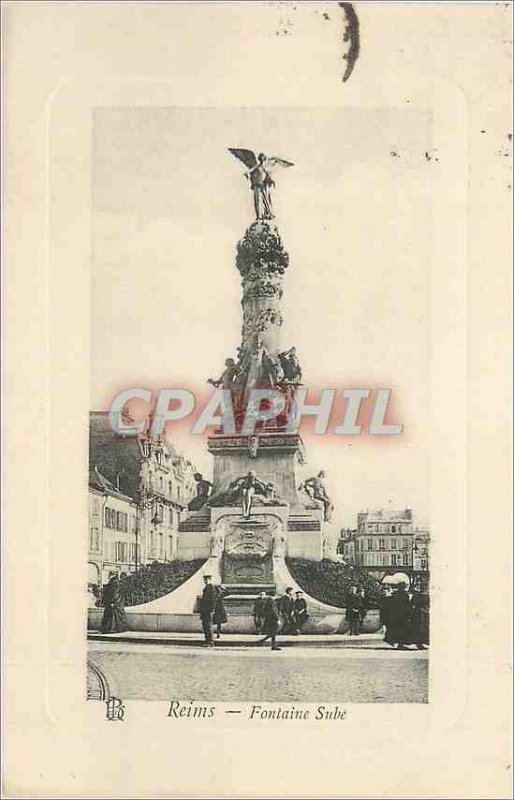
(169, 205)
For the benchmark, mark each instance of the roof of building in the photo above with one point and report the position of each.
(101, 484)
(116, 458)
(386, 515)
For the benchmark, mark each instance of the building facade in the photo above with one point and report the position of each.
(385, 541)
(139, 490)
(113, 520)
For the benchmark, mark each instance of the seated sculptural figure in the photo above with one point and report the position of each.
(203, 490)
(228, 376)
(290, 363)
(315, 488)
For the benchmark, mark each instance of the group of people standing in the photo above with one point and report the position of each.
(404, 613)
(356, 610)
(285, 615)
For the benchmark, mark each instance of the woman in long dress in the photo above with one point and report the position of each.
(114, 619)
(399, 614)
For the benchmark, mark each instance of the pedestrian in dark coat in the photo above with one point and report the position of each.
(114, 619)
(286, 608)
(399, 618)
(418, 630)
(207, 606)
(300, 611)
(353, 611)
(220, 615)
(271, 622)
(258, 611)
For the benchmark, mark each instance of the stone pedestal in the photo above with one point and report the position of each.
(273, 455)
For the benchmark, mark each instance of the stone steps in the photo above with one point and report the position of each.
(248, 589)
(241, 596)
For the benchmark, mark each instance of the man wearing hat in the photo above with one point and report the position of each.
(286, 608)
(207, 606)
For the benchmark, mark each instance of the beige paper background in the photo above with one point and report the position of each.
(62, 60)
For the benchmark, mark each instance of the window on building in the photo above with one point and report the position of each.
(169, 488)
(384, 560)
(161, 545)
(121, 521)
(172, 517)
(170, 547)
(370, 544)
(405, 558)
(94, 540)
(395, 559)
(405, 544)
(393, 528)
(393, 544)
(381, 544)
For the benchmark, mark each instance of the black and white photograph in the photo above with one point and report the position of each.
(257, 419)
(259, 498)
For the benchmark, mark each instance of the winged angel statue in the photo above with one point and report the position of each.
(260, 170)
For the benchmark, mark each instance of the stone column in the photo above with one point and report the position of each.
(261, 261)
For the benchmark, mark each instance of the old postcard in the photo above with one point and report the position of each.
(257, 305)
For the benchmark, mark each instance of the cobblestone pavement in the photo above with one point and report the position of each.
(160, 672)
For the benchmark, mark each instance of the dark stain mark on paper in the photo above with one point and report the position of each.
(351, 35)
(394, 154)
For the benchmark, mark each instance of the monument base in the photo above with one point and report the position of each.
(272, 454)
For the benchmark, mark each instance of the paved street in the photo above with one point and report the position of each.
(161, 672)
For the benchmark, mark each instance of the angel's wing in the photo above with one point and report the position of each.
(273, 162)
(248, 157)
